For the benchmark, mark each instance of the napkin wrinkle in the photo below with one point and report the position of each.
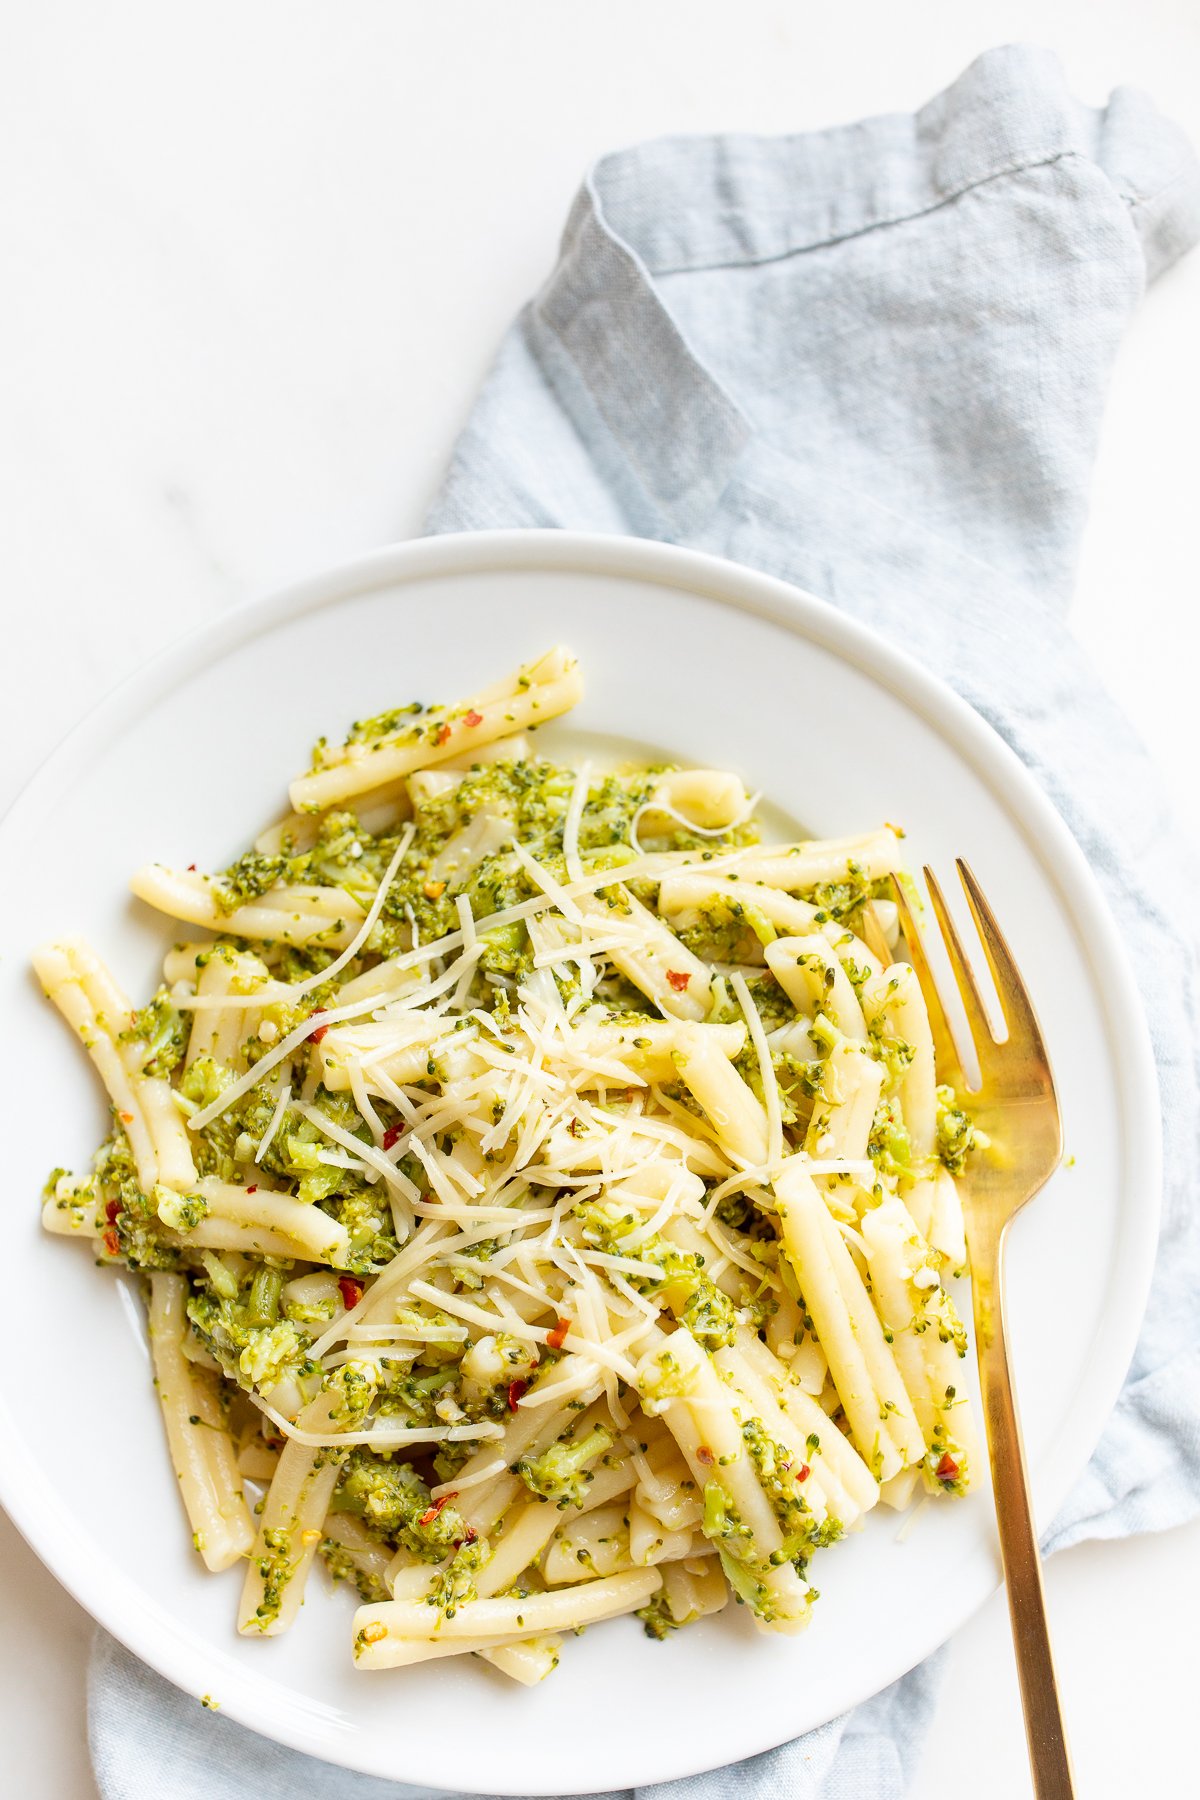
(1149, 1476)
(685, 432)
(692, 204)
(902, 419)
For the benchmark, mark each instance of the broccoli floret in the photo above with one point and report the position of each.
(561, 1472)
(505, 951)
(252, 1354)
(358, 1208)
(204, 1081)
(179, 1212)
(387, 1495)
(354, 1386)
(393, 1500)
(708, 1313)
(164, 1031)
(270, 1352)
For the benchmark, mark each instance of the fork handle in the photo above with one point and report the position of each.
(1049, 1756)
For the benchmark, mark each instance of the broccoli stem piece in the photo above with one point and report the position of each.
(560, 1473)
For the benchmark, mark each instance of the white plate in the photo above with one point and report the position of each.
(713, 665)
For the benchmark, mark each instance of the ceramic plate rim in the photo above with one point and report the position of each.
(187, 1663)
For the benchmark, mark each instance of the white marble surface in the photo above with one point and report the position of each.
(257, 257)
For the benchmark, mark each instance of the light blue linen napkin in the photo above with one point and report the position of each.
(873, 361)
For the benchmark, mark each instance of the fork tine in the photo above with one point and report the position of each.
(964, 975)
(1019, 1016)
(945, 1045)
(873, 934)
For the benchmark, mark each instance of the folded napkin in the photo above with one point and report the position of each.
(870, 360)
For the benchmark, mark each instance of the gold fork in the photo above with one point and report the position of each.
(1015, 1104)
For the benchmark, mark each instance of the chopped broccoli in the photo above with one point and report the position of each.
(779, 1478)
(697, 1301)
(248, 878)
(251, 1354)
(342, 1566)
(395, 1501)
(889, 1145)
(179, 1212)
(561, 1472)
(270, 1352)
(956, 1133)
(163, 1030)
(384, 724)
(135, 1231)
(657, 1618)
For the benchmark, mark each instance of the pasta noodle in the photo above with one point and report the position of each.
(541, 1188)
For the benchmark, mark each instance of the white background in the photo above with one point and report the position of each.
(257, 256)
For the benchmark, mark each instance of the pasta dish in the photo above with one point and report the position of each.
(541, 1189)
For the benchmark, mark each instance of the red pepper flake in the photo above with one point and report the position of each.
(350, 1290)
(803, 1472)
(191, 868)
(111, 1211)
(392, 1136)
(704, 1455)
(515, 1390)
(126, 1118)
(431, 1512)
(558, 1337)
(947, 1469)
(253, 1188)
(319, 1033)
(469, 1538)
(678, 979)
(111, 1242)
(443, 735)
(473, 718)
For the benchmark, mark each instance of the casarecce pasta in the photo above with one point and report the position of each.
(542, 1192)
